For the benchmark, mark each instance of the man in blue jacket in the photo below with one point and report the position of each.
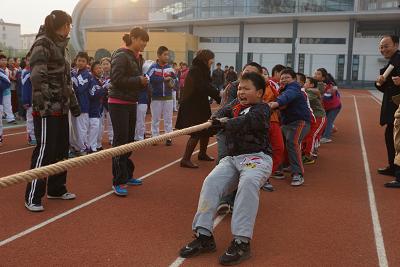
(295, 120)
(162, 81)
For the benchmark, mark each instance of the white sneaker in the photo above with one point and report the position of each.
(325, 140)
(66, 196)
(34, 207)
(297, 180)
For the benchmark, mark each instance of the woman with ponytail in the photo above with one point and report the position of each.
(127, 80)
(52, 98)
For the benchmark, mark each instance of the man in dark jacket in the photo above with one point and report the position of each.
(388, 47)
(218, 77)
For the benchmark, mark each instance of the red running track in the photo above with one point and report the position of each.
(326, 222)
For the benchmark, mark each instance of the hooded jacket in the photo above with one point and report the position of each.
(5, 83)
(26, 87)
(51, 77)
(157, 73)
(81, 81)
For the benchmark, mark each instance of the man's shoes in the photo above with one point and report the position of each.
(393, 184)
(268, 187)
(12, 122)
(205, 157)
(34, 207)
(168, 142)
(133, 181)
(308, 160)
(389, 171)
(201, 244)
(278, 175)
(236, 253)
(66, 196)
(297, 180)
(120, 190)
(188, 164)
(325, 140)
(32, 142)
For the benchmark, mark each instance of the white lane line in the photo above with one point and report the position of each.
(11, 134)
(16, 150)
(376, 99)
(380, 245)
(62, 215)
(178, 262)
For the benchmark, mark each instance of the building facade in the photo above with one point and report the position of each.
(340, 35)
(10, 35)
(27, 40)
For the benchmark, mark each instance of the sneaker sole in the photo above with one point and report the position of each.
(224, 209)
(278, 177)
(297, 183)
(34, 210)
(119, 194)
(246, 257)
(201, 251)
(51, 197)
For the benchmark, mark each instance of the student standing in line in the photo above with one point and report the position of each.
(4, 84)
(27, 102)
(52, 98)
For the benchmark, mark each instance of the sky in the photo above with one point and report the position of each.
(31, 13)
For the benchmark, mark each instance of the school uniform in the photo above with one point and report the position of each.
(141, 112)
(4, 84)
(161, 97)
(27, 100)
(81, 83)
(96, 94)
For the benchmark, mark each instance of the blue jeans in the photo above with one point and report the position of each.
(330, 117)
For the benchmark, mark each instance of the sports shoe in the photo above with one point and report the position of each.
(278, 175)
(297, 180)
(308, 161)
(236, 253)
(32, 142)
(268, 187)
(201, 244)
(168, 142)
(133, 181)
(12, 122)
(120, 190)
(1, 140)
(66, 196)
(223, 208)
(393, 184)
(389, 171)
(325, 140)
(34, 207)
(287, 169)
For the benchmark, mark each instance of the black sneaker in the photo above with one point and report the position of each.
(236, 253)
(168, 142)
(393, 184)
(201, 244)
(223, 208)
(386, 171)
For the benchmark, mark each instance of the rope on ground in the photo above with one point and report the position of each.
(62, 166)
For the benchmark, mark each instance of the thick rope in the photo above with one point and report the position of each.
(62, 166)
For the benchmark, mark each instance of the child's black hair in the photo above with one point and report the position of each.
(84, 55)
(313, 81)
(301, 76)
(289, 71)
(257, 80)
(94, 64)
(394, 38)
(277, 68)
(3, 56)
(254, 64)
(161, 50)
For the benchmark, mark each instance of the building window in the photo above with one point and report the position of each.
(249, 57)
(219, 39)
(4, 28)
(340, 60)
(269, 40)
(4, 36)
(355, 68)
(323, 40)
(289, 62)
(301, 63)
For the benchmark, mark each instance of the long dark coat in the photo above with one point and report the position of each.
(194, 104)
(389, 89)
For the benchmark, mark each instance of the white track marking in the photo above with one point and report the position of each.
(380, 245)
(11, 134)
(16, 150)
(178, 262)
(376, 100)
(62, 215)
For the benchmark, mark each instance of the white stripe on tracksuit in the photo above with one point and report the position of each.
(315, 143)
(40, 158)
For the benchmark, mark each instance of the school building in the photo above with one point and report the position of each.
(340, 35)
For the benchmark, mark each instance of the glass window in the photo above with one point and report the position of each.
(300, 67)
(289, 62)
(340, 60)
(355, 68)
(249, 57)
(219, 39)
(269, 40)
(323, 40)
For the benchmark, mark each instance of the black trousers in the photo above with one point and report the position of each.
(123, 119)
(389, 141)
(52, 136)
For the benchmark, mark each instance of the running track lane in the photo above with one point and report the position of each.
(326, 222)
